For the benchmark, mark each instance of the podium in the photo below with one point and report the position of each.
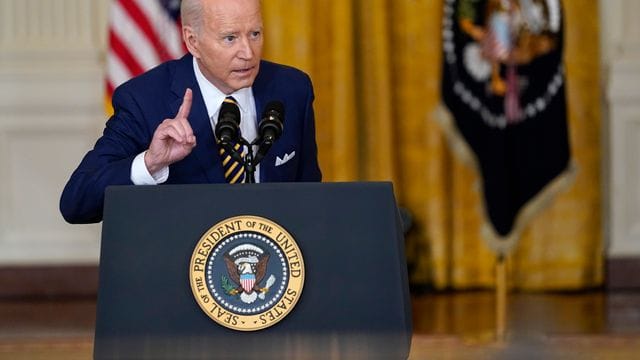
(354, 302)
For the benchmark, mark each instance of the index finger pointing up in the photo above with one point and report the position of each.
(185, 108)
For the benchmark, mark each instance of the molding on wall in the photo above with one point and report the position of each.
(624, 81)
(620, 45)
(623, 96)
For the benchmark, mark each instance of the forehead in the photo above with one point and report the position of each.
(231, 14)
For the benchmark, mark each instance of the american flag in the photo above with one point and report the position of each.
(142, 34)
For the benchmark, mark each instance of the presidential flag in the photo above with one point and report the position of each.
(142, 34)
(503, 81)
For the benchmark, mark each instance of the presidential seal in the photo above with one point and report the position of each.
(246, 273)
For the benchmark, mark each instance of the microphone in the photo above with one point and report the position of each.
(228, 125)
(270, 126)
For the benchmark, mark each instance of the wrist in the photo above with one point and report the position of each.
(151, 164)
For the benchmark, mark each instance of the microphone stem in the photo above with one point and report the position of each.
(249, 167)
(262, 151)
(249, 162)
(231, 151)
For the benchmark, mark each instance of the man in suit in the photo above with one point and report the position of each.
(162, 127)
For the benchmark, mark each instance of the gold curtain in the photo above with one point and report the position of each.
(375, 65)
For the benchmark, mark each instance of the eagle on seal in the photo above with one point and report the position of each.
(247, 267)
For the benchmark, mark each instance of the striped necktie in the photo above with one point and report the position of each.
(233, 169)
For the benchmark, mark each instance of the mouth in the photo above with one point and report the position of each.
(244, 71)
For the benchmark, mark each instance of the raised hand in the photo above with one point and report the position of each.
(173, 139)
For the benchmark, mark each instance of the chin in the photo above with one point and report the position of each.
(243, 83)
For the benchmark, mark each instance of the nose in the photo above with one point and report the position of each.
(246, 51)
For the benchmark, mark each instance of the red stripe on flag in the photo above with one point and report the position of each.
(109, 87)
(143, 23)
(126, 57)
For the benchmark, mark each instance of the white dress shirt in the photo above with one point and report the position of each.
(213, 98)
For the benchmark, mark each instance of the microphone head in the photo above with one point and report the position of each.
(271, 124)
(229, 111)
(228, 126)
(275, 108)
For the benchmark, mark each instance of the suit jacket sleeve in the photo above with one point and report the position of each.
(309, 169)
(108, 163)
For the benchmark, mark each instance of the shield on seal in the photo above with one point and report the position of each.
(247, 281)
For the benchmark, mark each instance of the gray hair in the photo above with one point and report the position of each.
(191, 13)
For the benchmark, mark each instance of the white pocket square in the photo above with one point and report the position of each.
(285, 158)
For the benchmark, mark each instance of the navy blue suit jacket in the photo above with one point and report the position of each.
(142, 103)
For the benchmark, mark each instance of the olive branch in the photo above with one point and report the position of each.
(228, 286)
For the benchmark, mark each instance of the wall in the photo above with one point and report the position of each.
(51, 56)
(620, 38)
(621, 70)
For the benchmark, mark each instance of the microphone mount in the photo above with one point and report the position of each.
(270, 128)
(250, 160)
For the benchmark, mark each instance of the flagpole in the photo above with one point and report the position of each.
(501, 298)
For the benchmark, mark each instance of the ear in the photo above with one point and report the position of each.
(190, 38)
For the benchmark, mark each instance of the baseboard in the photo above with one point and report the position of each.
(48, 281)
(63, 281)
(622, 273)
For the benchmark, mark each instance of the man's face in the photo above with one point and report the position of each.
(228, 45)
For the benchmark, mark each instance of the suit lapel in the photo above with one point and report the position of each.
(206, 149)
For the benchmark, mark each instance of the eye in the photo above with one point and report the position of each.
(228, 39)
(255, 34)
